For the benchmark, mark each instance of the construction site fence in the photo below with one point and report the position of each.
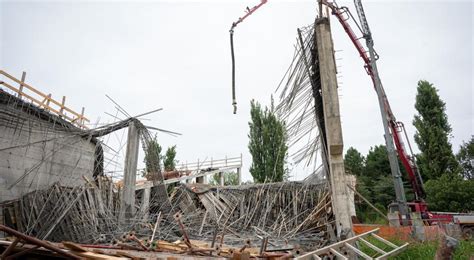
(406, 233)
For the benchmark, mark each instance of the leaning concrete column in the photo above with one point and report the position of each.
(127, 205)
(332, 118)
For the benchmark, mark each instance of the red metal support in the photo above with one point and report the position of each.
(38, 242)
(407, 163)
(249, 12)
(234, 24)
(9, 249)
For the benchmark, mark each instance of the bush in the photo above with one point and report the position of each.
(450, 193)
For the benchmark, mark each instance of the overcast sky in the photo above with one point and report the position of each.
(176, 55)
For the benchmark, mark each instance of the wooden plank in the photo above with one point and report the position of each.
(46, 98)
(393, 252)
(74, 247)
(359, 252)
(372, 246)
(61, 110)
(95, 256)
(384, 241)
(23, 77)
(334, 251)
(127, 254)
(40, 103)
(338, 244)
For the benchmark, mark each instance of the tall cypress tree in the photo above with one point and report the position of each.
(267, 144)
(169, 160)
(465, 158)
(152, 159)
(432, 135)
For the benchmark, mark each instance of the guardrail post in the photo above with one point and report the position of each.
(239, 174)
(81, 119)
(201, 178)
(186, 167)
(23, 77)
(43, 100)
(48, 100)
(61, 110)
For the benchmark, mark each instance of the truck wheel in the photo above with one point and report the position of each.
(468, 233)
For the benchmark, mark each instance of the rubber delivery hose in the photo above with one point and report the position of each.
(234, 102)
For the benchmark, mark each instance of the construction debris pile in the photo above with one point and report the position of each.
(203, 219)
(81, 214)
(289, 213)
(89, 207)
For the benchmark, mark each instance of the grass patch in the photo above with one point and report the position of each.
(419, 250)
(427, 251)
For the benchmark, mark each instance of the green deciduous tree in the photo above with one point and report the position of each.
(374, 180)
(433, 130)
(450, 193)
(384, 191)
(465, 158)
(354, 161)
(377, 163)
(267, 144)
(169, 160)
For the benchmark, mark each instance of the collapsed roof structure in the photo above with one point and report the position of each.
(61, 193)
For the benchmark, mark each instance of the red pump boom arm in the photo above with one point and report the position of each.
(395, 127)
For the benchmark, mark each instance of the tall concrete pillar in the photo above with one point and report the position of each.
(201, 179)
(332, 118)
(127, 205)
(145, 206)
(221, 178)
(239, 176)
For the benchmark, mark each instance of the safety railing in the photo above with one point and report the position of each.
(187, 171)
(206, 165)
(42, 100)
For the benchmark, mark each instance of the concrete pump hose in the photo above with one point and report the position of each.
(234, 102)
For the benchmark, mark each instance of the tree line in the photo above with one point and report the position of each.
(448, 177)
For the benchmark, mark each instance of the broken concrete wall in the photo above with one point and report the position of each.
(38, 149)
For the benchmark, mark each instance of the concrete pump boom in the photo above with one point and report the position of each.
(392, 128)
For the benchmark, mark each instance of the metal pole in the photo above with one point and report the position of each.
(392, 157)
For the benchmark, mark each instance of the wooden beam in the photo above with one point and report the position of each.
(23, 77)
(62, 107)
(47, 100)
